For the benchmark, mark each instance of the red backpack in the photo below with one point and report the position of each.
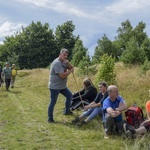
(134, 116)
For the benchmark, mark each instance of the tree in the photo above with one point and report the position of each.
(78, 53)
(104, 46)
(133, 53)
(65, 38)
(106, 70)
(86, 67)
(35, 46)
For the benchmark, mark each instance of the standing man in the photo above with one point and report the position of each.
(7, 75)
(60, 69)
(13, 77)
(113, 107)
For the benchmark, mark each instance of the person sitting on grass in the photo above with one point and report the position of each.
(85, 96)
(144, 126)
(113, 107)
(94, 108)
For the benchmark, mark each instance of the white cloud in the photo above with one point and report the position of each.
(63, 7)
(128, 6)
(9, 28)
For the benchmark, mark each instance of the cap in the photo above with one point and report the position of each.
(7, 63)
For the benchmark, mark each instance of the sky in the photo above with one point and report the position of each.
(92, 18)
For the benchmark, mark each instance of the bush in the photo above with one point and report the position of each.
(106, 70)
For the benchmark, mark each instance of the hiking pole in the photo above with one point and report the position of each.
(78, 90)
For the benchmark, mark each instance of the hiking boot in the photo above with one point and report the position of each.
(128, 129)
(68, 113)
(81, 123)
(76, 120)
(51, 121)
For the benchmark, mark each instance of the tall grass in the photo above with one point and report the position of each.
(23, 114)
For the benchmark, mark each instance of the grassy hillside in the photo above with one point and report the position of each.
(23, 115)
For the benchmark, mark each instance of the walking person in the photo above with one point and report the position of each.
(1, 70)
(7, 75)
(60, 69)
(13, 75)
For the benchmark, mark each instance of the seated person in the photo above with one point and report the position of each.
(95, 107)
(85, 96)
(113, 107)
(144, 126)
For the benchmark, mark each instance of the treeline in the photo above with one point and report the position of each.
(37, 45)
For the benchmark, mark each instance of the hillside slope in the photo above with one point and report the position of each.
(23, 115)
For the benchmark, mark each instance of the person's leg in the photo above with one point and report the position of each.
(80, 103)
(108, 124)
(96, 111)
(53, 98)
(141, 130)
(12, 81)
(119, 126)
(9, 83)
(66, 92)
(6, 83)
(86, 113)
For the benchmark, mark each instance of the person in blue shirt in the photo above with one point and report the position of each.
(113, 107)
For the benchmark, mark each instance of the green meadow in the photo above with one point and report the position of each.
(23, 114)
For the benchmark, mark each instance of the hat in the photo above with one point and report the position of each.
(7, 63)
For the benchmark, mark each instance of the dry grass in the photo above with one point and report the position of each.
(23, 119)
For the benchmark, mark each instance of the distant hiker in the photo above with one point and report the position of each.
(113, 107)
(1, 70)
(13, 75)
(84, 96)
(59, 71)
(7, 75)
(94, 108)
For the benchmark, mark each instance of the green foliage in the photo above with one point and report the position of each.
(133, 53)
(36, 45)
(132, 45)
(104, 46)
(106, 70)
(146, 66)
(65, 38)
(86, 67)
(78, 53)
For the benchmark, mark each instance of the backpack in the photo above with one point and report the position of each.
(134, 116)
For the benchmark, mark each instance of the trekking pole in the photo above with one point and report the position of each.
(78, 90)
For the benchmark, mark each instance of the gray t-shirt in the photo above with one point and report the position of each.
(56, 82)
(7, 73)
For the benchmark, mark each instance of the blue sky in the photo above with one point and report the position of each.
(92, 18)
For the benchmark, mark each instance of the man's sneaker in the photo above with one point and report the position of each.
(81, 123)
(51, 121)
(67, 113)
(76, 120)
(128, 128)
(106, 136)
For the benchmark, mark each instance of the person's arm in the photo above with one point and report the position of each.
(112, 112)
(122, 106)
(69, 70)
(63, 75)
(92, 105)
(69, 65)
